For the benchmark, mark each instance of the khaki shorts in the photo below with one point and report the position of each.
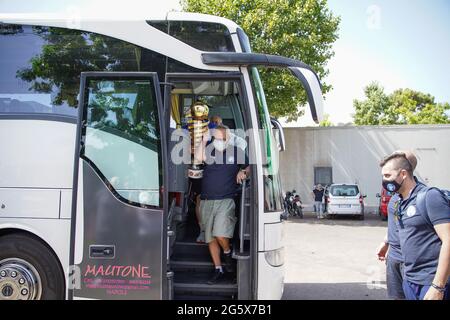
(218, 218)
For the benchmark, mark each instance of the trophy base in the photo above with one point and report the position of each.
(195, 173)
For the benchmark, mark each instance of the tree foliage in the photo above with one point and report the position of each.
(326, 122)
(299, 29)
(403, 106)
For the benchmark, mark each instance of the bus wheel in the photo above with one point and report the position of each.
(28, 270)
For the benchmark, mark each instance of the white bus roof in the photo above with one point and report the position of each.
(136, 31)
(71, 17)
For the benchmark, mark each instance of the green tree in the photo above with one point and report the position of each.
(414, 107)
(299, 29)
(373, 110)
(403, 106)
(326, 122)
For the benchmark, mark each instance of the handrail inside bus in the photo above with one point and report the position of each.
(242, 221)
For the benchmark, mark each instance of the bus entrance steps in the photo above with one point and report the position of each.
(193, 267)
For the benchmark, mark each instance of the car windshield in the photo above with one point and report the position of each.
(344, 191)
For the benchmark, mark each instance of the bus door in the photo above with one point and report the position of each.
(119, 233)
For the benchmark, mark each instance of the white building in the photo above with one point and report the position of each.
(351, 154)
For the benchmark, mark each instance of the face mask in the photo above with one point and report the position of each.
(392, 185)
(220, 145)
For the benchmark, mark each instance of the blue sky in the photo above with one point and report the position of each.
(399, 43)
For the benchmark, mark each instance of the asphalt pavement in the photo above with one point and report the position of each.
(334, 259)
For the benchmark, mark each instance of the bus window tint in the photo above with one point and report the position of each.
(205, 36)
(273, 197)
(122, 137)
(41, 66)
(27, 84)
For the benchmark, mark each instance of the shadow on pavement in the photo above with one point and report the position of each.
(333, 291)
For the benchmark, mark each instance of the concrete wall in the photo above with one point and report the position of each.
(354, 154)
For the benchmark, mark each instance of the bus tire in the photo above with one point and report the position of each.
(21, 250)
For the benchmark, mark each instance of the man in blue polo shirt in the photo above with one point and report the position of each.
(226, 166)
(391, 244)
(422, 217)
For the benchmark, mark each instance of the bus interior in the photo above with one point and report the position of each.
(189, 260)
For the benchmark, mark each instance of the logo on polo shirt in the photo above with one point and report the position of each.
(411, 211)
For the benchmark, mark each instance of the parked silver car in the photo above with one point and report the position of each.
(345, 199)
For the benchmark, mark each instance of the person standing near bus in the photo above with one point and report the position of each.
(389, 250)
(224, 170)
(318, 198)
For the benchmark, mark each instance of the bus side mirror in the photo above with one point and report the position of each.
(378, 195)
(279, 134)
(300, 70)
(313, 89)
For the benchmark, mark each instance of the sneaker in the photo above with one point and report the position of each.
(228, 262)
(201, 237)
(217, 276)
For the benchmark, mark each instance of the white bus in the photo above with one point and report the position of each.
(91, 205)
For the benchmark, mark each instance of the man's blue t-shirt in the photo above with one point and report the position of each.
(220, 171)
(420, 245)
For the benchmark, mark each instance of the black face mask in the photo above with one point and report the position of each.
(392, 185)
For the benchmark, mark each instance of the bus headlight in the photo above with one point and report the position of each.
(275, 257)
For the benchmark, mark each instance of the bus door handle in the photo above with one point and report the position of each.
(102, 252)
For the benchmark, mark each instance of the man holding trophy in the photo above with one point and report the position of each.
(197, 123)
(223, 170)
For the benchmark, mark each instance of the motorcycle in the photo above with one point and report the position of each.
(297, 207)
(287, 205)
(293, 205)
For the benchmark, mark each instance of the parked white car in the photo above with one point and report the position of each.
(345, 199)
